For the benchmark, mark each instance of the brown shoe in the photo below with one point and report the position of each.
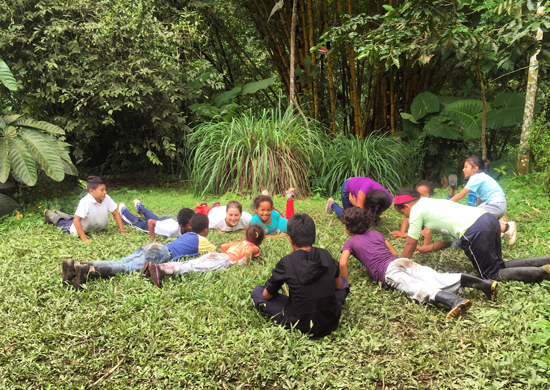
(145, 270)
(81, 275)
(67, 272)
(157, 274)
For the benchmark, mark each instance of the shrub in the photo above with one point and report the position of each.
(540, 148)
(248, 153)
(391, 163)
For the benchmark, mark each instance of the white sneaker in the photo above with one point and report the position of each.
(511, 233)
(328, 207)
(121, 206)
(136, 203)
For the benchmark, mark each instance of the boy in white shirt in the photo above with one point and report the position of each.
(92, 212)
(164, 226)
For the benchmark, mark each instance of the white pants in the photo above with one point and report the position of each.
(419, 282)
(209, 262)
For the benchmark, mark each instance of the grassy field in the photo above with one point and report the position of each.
(200, 331)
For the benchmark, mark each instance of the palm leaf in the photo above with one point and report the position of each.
(40, 125)
(22, 161)
(7, 205)
(4, 160)
(6, 76)
(44, 153)
(11, 118)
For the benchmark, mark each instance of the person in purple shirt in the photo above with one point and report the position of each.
(364, 193)
(418, 282)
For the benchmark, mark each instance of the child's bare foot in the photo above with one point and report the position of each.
(290, 192)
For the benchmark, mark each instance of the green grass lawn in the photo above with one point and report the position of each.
(200, 331)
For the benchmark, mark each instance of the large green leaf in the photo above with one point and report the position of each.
(438, 126)
(6, 76)
(223, 97)
(22, 161)
(509, 108)
(63, 151)
(7, 205)
(411, 129)
(205, 109)
(257, 86)
(40, 125)
(4, 160)
(467, 115)
(44, 153)
(423, 104)
(11, 118)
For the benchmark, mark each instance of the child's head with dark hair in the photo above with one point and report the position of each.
(376, 202)
(263, 204)
(425, 188)
(92, 182)
(301, 230)
(402, 197)
(184, 219)
(356, 220)
(481, 164)
(254, 234)
(199, 224)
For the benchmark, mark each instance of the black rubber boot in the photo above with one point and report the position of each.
(525, 274)
(457, 304)
(489, 287)
(51, 217)
(67, 272)
(81, 275)
(63, 215)
(527, 262)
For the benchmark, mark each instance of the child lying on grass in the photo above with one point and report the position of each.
(418, 282)
(270, 219)
(316, 290)
(92, 212)
(233, 253)
(164, 226)
(229, 218)
(189, 244)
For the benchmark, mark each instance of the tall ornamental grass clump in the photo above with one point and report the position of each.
(391, 163)
(251, 153)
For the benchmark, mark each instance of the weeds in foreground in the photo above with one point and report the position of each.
(200, 331)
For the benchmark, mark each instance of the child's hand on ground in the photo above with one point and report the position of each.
(86, 241)
(282, 235)
(398, 234)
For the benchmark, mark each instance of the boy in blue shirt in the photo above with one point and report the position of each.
(189, 244)
(92, 212)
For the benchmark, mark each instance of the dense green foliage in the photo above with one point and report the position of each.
(540, 148)
(200, 331)
(250, 153)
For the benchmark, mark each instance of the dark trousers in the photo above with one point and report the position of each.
(65, 225)
(346, 204)
(274, 307)
(130, 219)
(481, 243)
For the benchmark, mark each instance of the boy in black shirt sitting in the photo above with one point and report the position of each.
(317, 291)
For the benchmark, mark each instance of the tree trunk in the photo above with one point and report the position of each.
(522, 165)
(484, 115)
(292, 48)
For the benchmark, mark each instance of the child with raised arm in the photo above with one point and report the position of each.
(317, 292)
(164, 226)
(488, 191)
(418, 282)
(269, 218)
(233, 253)
(92, 212)
(189, 244)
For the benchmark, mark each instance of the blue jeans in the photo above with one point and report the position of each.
(130, 219)
(346, 204)
(154, 253)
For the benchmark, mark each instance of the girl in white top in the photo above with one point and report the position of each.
(488, 192)
(229, 218)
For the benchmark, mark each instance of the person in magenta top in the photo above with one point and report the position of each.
(364, 193)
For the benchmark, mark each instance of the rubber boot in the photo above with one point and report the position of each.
(81, 275)
(488, 287)
(457, 304)
(63, 215)
(528, 262)
(51, 217)
(67, 272)
(525, 274)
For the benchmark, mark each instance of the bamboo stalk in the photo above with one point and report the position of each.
(330, 82)
(352, 89)
(392, 106)
(356, 97)
(311, 44)
(292, 46)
